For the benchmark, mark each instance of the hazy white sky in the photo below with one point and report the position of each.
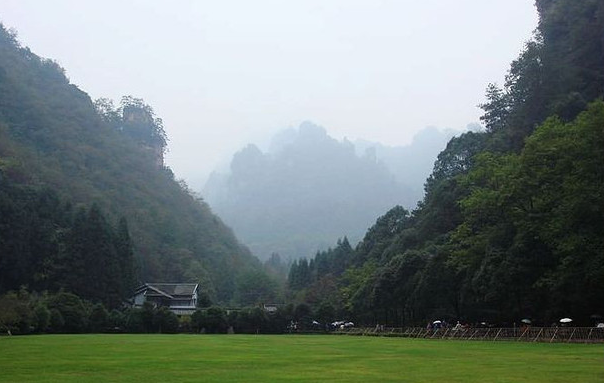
(224, 73)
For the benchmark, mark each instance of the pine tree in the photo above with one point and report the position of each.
(125, 255)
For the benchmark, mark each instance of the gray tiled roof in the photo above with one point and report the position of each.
(170, 289)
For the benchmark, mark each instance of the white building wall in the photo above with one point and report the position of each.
(139, 299)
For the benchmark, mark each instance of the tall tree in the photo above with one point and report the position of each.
(94, 268)
(126, 261)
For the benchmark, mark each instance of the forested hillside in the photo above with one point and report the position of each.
(86, 204)
(512, 222)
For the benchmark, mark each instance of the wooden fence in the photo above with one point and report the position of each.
(526, 334)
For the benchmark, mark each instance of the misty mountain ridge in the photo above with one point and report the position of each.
(411, 164)
(309, 188)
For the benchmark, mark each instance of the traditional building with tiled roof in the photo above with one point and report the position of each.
(180, 298)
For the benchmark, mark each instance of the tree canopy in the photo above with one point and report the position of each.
(511, 225)
(84, 183)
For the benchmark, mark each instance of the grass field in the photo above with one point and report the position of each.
(248, 358)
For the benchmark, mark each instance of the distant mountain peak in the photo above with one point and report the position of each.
(308, 128)
(310, 187)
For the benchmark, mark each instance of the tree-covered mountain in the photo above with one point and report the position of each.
(86, 203)
(512, 222)
(305, 191)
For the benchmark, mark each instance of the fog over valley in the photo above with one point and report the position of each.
(309, 189)
(222, 74)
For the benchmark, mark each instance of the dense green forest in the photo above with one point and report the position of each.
(512, 222)
(86, 203)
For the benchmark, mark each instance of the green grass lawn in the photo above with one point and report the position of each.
(264, 358)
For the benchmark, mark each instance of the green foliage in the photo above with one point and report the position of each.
(355, 291)
(315, 283)
(57, 323)
(72, 312)
(15, 315)
(197, 320)
(134, 321)
(211, 320)
(393, 290)
(92, 264)
(496, 109)
(59, 150)
(559, 72)
(139, 122)
(303, 313)
(255, 287)
(203, 299)
(23, 312)
(117, 320)
(32, 223)
(325, 313)
(147, 317)
(326, 264)
(377, 238)
(511, 225)
(41, 317)
(527, 239)
(253, 321)
(165, 321)
(98, 320)
(277, 269)
(532, 233)
(46, 246)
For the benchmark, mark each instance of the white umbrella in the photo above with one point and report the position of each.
(565, 320)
